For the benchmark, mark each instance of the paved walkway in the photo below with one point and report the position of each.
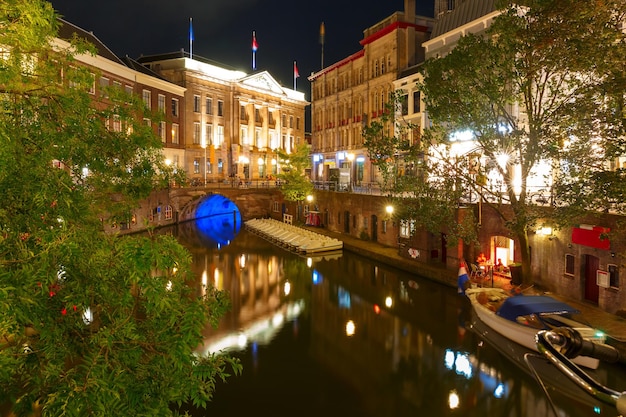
(614, 326)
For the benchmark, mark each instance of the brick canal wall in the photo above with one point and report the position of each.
(560, 263)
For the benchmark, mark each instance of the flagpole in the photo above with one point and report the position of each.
(191, 38)
(295, 75)
(254, 48)
(322, 36)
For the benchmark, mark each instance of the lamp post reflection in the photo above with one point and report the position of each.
(204, 147)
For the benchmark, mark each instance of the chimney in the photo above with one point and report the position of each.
(410, 51)
(409, 10)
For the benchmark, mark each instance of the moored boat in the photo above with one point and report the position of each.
(520, 317)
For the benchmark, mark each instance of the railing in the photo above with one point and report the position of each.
(233, 183)
(551, 344)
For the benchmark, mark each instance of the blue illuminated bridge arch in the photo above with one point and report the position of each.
(218, 219)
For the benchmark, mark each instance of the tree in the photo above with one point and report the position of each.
(540, 98)
(295, 184)
(90, 323)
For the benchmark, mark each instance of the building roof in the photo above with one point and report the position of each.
(465, 12)
(133, 64)
(143, 59)
(67, 31)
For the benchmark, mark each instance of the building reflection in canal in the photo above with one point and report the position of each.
(400, 344)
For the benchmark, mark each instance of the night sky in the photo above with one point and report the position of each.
(286, 30)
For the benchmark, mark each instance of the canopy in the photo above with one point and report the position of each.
(523, 305)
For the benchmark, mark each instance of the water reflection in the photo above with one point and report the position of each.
(346, 336)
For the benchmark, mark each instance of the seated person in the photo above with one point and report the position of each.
(499, 266)
(481, 258)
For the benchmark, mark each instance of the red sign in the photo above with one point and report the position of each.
(593, 236)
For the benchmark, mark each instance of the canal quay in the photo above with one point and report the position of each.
(614, 326)
(413, 348)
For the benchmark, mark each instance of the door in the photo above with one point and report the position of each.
(444, 248)
(346, 221)
(374, 228)
(590, 268)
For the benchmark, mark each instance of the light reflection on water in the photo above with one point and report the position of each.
(345, 336)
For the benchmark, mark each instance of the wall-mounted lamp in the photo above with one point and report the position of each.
(544, 231)
(547, 232)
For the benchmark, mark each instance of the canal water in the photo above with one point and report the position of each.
(340, 335)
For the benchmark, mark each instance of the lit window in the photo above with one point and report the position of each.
(175, 129)
(147, 98)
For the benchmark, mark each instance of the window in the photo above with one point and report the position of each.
(220, 166)
(117, 123)
(146, 96)
(175, 107)
(613, 275)
(92, 87)
(275, 206)
(196, 133)
(104, 84)
(407, 228)
(569, 264)
(257, 116)
(196, 166)
(291, 122)
(245, 139)
(168, 212)
(196, 103)
(161, 131)
(220, 108)
(175, 138)
(273, 142)
(257, 138)
(209, 135)
(417, 102)
(128, 89)
(297, 123)
(161, 103)
(404, 104)
(219, 137)
(209, 105)
(242, 113)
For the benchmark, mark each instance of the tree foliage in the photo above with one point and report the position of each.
(90, 324)
(295, 184)
(541, 95)
(417, 191)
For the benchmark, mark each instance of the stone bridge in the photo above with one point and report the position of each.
(252, 202)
